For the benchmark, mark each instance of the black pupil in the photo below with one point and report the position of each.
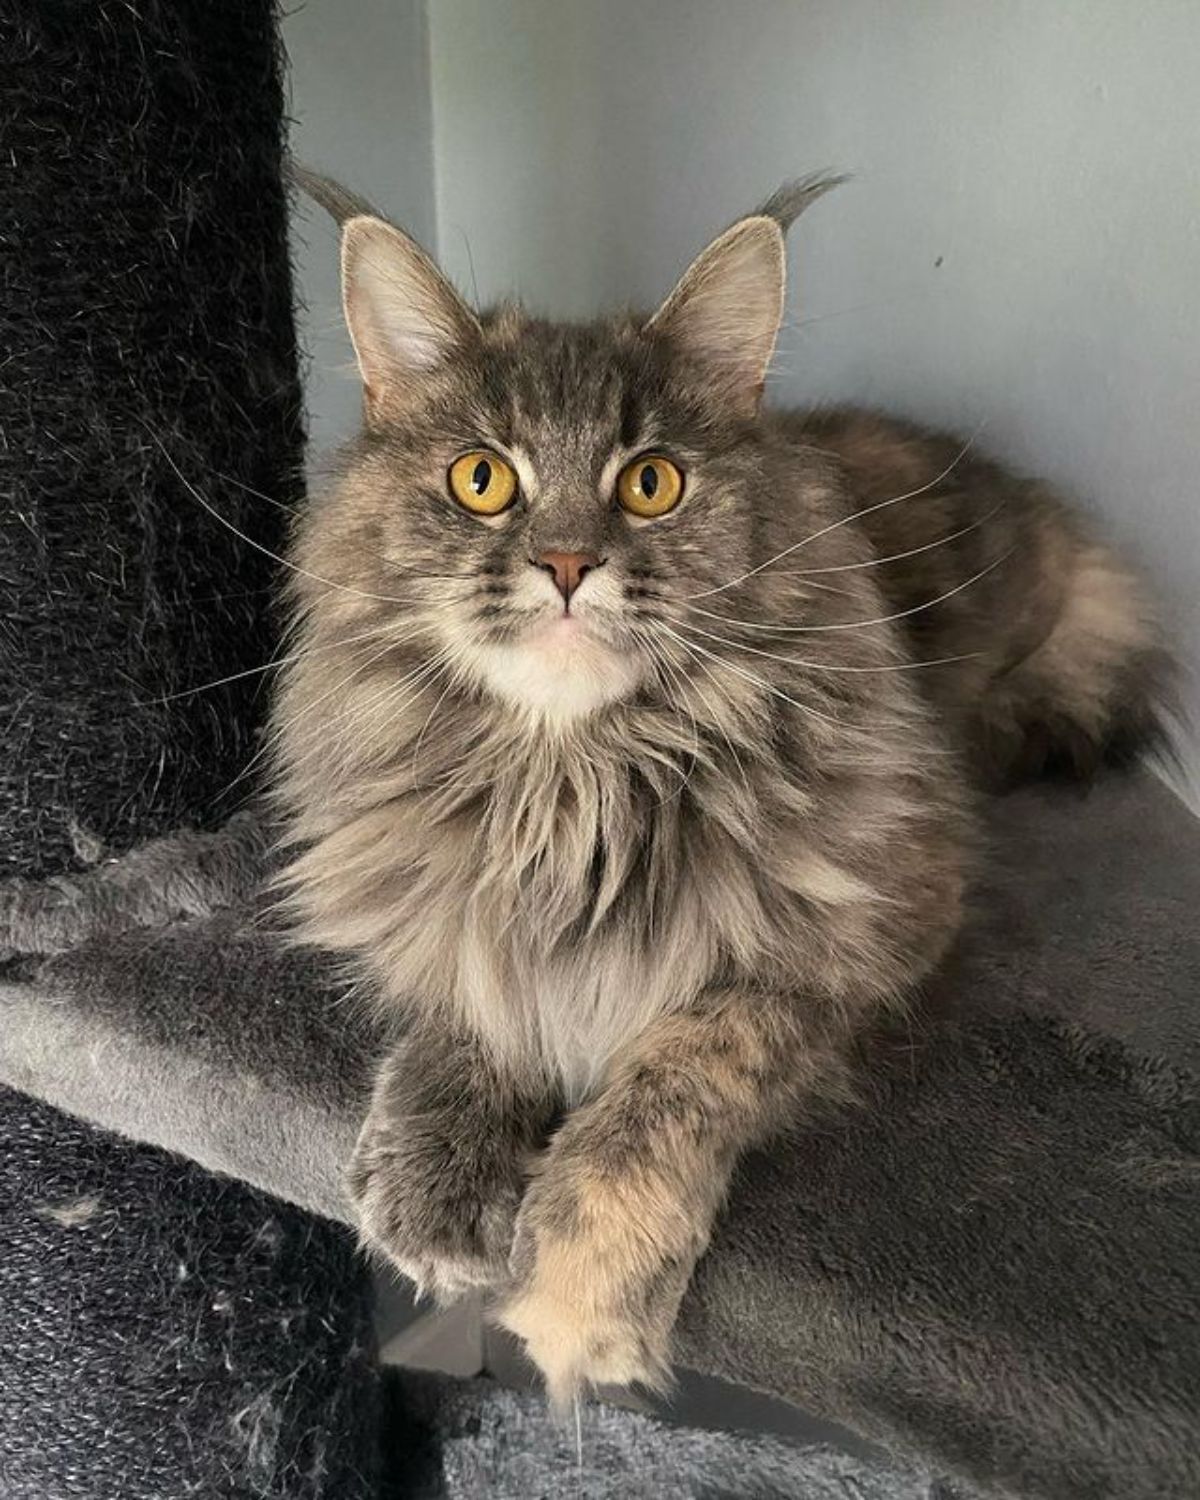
(481, 476)
(648, 479)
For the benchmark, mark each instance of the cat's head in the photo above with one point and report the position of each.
(530, 497)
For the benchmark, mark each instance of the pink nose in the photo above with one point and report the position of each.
(567, 569)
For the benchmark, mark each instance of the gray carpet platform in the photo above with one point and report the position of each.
(991, 1267)
(483, 1442)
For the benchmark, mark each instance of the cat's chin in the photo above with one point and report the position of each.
(561, 671)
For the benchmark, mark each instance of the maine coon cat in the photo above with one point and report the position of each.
(628, 751)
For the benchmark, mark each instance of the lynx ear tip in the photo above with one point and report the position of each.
(338, 201)
(790, 199)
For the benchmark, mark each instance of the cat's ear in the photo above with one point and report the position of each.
(404, 317)
(723, 316)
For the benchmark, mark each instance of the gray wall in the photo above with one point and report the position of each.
(1019, 249)
(361, 110)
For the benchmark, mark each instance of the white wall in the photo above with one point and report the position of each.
(1020, 246)
(361, 112)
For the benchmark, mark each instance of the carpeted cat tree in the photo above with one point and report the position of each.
(991, 1270)
(163, 1332)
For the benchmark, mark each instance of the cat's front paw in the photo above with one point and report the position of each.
(595, 1297)
(577, 1342)
(446, 1229)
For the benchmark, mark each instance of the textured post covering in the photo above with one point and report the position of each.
(163, 1333)
(145, 326)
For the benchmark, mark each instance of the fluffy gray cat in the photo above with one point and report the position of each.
(628, 751)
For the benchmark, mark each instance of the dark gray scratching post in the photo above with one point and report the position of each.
(163, 1333)
(146, 301)
(168, 1334)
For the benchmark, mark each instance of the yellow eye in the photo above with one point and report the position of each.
(649, 486)
(483, 482)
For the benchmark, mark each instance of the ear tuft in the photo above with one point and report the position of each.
(404, 317)
(788, 202)
(723, 316)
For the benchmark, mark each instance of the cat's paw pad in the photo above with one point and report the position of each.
(437, 1233)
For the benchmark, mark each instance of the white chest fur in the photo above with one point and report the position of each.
(574, 1008)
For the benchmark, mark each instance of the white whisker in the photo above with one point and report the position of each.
(279, 661)
(716, 716)
(900, 614)
(876, 562)
(345, 588)
(394, 699)
(396, 693)
(290, 510)
(425, 727)
(273, 739)
(760, 682)
(845, 521)
(824, 588)
(818, 666)
(669, 667)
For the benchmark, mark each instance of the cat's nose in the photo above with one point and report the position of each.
(566, 568)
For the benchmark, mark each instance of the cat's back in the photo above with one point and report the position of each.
(1048, 648)
(941, 517)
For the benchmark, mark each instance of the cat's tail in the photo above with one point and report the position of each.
(1100, 688)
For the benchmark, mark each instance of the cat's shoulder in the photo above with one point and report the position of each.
(861, 437)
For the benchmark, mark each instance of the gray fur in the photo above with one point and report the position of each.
(788, 202)
(664, 856)
(181, 875)
(438, 1097)
(338, 201)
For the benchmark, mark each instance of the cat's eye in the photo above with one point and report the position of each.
(649, 486)
(483, 482)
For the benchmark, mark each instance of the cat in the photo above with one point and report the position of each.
(630, 752)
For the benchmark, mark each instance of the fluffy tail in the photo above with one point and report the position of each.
(1099, 689)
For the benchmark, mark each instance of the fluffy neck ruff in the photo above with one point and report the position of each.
(558, 814)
